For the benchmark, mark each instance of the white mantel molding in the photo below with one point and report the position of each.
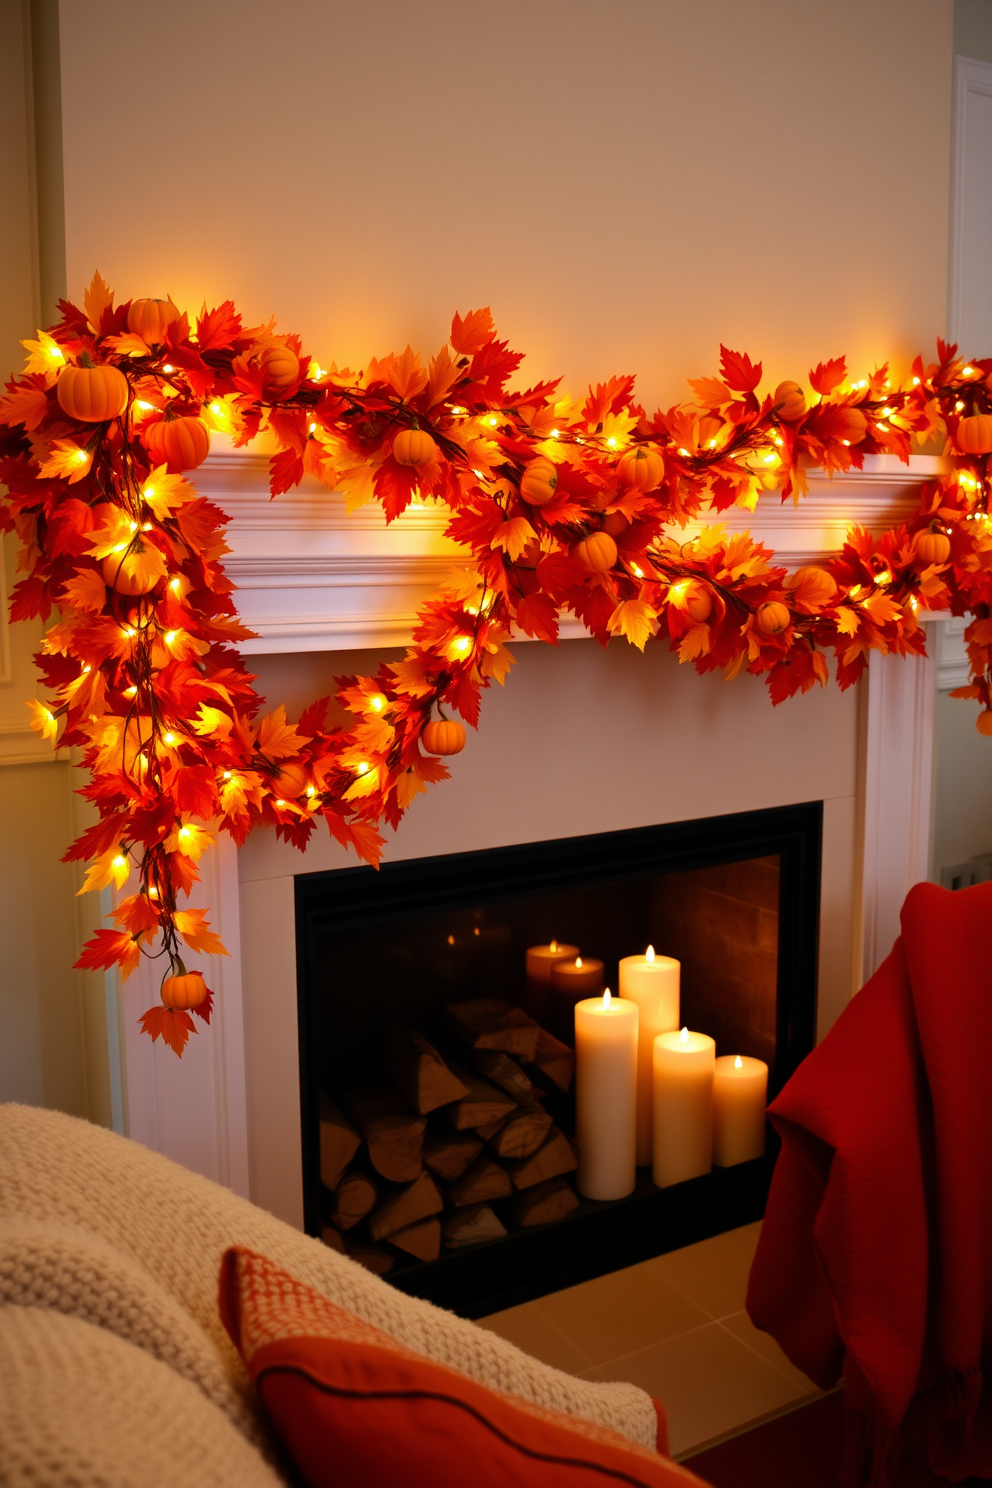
(312, 577)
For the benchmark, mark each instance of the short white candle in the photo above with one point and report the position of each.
(683, 1106)
(653, 983)
(606, 1096)
(740, 1093)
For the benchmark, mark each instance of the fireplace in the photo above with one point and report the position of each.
(735, 898)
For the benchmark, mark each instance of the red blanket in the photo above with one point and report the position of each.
(875, 1257)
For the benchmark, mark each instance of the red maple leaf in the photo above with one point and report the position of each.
(739, 372)
(537, 616)
(825, 376)
(107, 948)
(218, 327)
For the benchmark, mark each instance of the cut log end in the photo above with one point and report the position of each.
(472, 1226)
(546, 1203)
(420, 1072)
(491, 1023)
(421, 1240)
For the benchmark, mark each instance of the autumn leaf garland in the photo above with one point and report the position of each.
(562, 507)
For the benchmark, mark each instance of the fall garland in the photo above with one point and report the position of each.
(563, 506)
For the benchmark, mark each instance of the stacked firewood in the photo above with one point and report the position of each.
(456, 1147)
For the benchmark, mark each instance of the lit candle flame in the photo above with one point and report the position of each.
(578, 961)
(649, 954)
(607, 998)
(451, 940)
(738, 1063)
(553, 946)
(684, 1035)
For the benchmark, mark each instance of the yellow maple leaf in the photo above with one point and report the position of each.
(847, 620)
(514, 536)
(412, 676)
(374, 734)
(616, 428)
(406, 376)
(276, 738)
(126, 344)
(65, 458)
(695, 642)
(194, 928)
(742, 559)
(407, 785)
(212, 722)
(881, 608)
(190, 839)
(165, 493)
(358, 485)
(84, 591)
(43, 720)
(635, 619)
(97, 298)
(46, 356)
(495, 661)
(364, 783)
(110, 867)
(114, 536)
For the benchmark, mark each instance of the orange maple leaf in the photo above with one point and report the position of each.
(172, 1025)
(98, 297)
(473, 333)
(193, 927)
(65, 458)
(84, 591)
(406, 376)
(24, 405)
(278, 739)
(635, 619)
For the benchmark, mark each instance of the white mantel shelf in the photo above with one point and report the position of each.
(311, 577)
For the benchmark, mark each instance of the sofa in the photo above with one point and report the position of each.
(115, 1366)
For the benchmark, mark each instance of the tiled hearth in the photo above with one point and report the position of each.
(676, 1326)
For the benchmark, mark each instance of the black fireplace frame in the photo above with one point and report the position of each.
(602, 1237)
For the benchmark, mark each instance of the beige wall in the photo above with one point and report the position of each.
(626, 182)
(962, 818)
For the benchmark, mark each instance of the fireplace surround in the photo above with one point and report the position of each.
(735, 897)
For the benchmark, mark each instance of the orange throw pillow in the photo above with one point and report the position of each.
(356, 1409)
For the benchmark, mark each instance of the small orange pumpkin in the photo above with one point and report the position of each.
(444, 736)
(187, 990)
(92, 394)
(790, 402)
(616, 523)
(699, 603)
(598, 551)
(974, 434)
(983, 722)
(149, 318)
(932, 547)
(853, 426)
(130, 572)
(641, 468)
(180, 443)
(414, 447)
(815, 587)
(290, 782)
(773, 617)
(280, 370)
(539, 481)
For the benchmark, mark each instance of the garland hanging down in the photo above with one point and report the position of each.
(561, 506)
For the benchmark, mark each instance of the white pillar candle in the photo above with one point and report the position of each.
(653, 983)
(606, 1096)
(740, 1093)
(683, 1106)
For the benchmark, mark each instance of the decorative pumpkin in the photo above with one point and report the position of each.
(280, 370)
(790, 402)
(180, 443)
(93, 394)
(539, 481)
(853, 426)
(814, 586)
(290, 782)
(773, 617)
(135, 571)
(414, 447)
(983, 722)
(187, 990)
(974, 434)
(598, 551)
(932, 547)
(699, 603)
(444, 736)
(642, 468)
(149, 318)
(616, 523)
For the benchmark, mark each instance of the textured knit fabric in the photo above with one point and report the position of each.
(81, 1408)
(875, 1258)
(176, 1226)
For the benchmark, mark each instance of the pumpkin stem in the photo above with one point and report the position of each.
(441, 713)
(176, 968)
(85, 360)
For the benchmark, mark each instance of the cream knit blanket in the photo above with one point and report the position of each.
(95, 1226)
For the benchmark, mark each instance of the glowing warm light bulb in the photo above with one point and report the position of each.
(684, 1035)
(969, 371)
(738, 1063)
(153, 892)
(168, 368)
(311, 790)
(147, 407)
(175, 585)
(215, 409)
(637, 571)
(462, 644)
(184, 832)
(377, 702)
(958, 406)
(476, 930)
(607, 998)
(87, 668)
(362, 768)
(225, 775)
(130, 692)
(55, 354)
(492, 422)
(119, 861)
(280, 802)
(170, 637)
(649, 954)
(553, 434)
(683, 452)
(312, 428)
(611, 442)
(169, 739)
(883, 578)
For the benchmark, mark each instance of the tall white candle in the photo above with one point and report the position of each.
(606, 1096)
(740, 1093)
(683, 1106)
(653, 983)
